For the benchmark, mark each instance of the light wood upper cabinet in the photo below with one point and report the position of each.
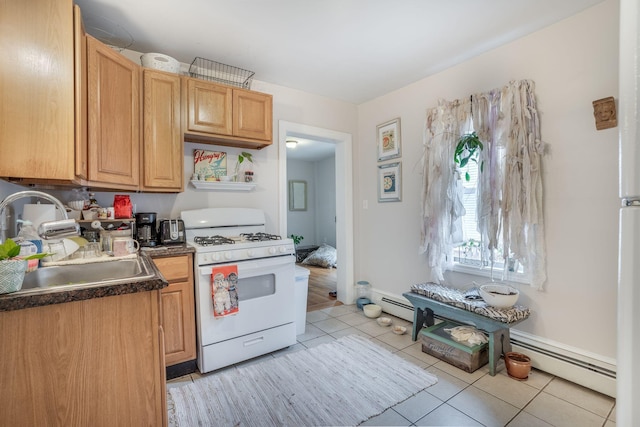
(252, 114)
(37, 89)
(209, 107)
(80, 79)
(223, 115)
(113, 117)
(178, 312)
(162, 150)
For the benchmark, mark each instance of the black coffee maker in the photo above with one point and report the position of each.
(146, 230)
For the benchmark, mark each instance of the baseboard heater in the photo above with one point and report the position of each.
(568, 364)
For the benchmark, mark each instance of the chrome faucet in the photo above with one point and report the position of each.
(47, 230)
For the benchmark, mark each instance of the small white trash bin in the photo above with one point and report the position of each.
(300, 293)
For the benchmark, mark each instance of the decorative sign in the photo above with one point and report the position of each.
(604, 110)
(209, 165)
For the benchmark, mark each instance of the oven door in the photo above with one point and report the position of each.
(265, 299)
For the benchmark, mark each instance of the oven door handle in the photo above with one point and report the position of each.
(245, 267)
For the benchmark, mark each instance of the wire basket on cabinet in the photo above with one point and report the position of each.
(220, 73)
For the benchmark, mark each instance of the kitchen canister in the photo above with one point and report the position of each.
(160, 62)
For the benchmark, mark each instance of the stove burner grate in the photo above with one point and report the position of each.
(259, 237)
(212, 240)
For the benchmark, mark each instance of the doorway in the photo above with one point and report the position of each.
(344, 196)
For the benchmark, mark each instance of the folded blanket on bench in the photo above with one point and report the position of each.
(456, 298)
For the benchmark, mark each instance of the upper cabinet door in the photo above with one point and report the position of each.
(80, 65)
(114, 117)
(209, 107)
(224, 115)
(252, 114)
(162, 154)
(36, 89)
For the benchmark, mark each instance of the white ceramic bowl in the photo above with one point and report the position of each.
(399, 330)
(383, 321)
(499, 296)
(372, 310)
(77, 205)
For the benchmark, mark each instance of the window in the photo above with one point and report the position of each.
(509, 188)
(468, 255)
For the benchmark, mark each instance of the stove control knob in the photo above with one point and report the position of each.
(228, 255)
(205, 258)
(283, 249)
(215, 257)
(251, 253)
(272, 251)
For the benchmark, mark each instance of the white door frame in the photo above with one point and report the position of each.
(344, 196)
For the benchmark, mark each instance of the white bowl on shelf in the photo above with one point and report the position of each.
(499, 296)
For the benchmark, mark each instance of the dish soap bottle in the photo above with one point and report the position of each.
(29, 242)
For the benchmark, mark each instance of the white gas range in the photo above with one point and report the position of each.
(265, 317)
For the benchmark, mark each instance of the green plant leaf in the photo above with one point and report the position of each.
(467, 176)
(9, 249)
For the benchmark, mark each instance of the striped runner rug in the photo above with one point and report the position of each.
(344, 382)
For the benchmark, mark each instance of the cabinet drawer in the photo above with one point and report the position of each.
(174, 269)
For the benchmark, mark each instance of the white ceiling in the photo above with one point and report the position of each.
(352, 50)
(310, 150)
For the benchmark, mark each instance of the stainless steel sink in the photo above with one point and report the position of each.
(86, 275)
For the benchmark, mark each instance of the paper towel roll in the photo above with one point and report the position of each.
(39, 213)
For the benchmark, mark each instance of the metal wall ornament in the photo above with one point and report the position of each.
(390, 182)
(389, 140)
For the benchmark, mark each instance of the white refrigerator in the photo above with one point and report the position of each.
(628, 351)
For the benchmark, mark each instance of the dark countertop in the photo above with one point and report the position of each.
(169, 250)
(18, 301)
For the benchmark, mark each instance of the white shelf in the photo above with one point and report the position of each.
(223, 186)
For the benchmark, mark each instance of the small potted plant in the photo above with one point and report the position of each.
(468, 148)
(241, 158)
(296, 239)
(13, 266)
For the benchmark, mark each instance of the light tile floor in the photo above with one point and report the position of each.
(459, 398)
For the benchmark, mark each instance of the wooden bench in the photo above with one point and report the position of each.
(498, 331)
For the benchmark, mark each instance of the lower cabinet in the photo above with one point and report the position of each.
(96, 362)
(178, 308)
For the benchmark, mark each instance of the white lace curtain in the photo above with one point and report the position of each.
(509, 186)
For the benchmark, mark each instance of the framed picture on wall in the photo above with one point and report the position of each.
(389, 140)
(390, 182)
(297, 195)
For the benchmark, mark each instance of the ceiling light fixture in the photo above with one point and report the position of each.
(292, 143)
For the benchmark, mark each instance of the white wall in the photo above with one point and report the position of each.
(572, 63)
(325, 186)
(317, 224)
(303, 223)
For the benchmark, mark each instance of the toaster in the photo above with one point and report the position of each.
(171, 232)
